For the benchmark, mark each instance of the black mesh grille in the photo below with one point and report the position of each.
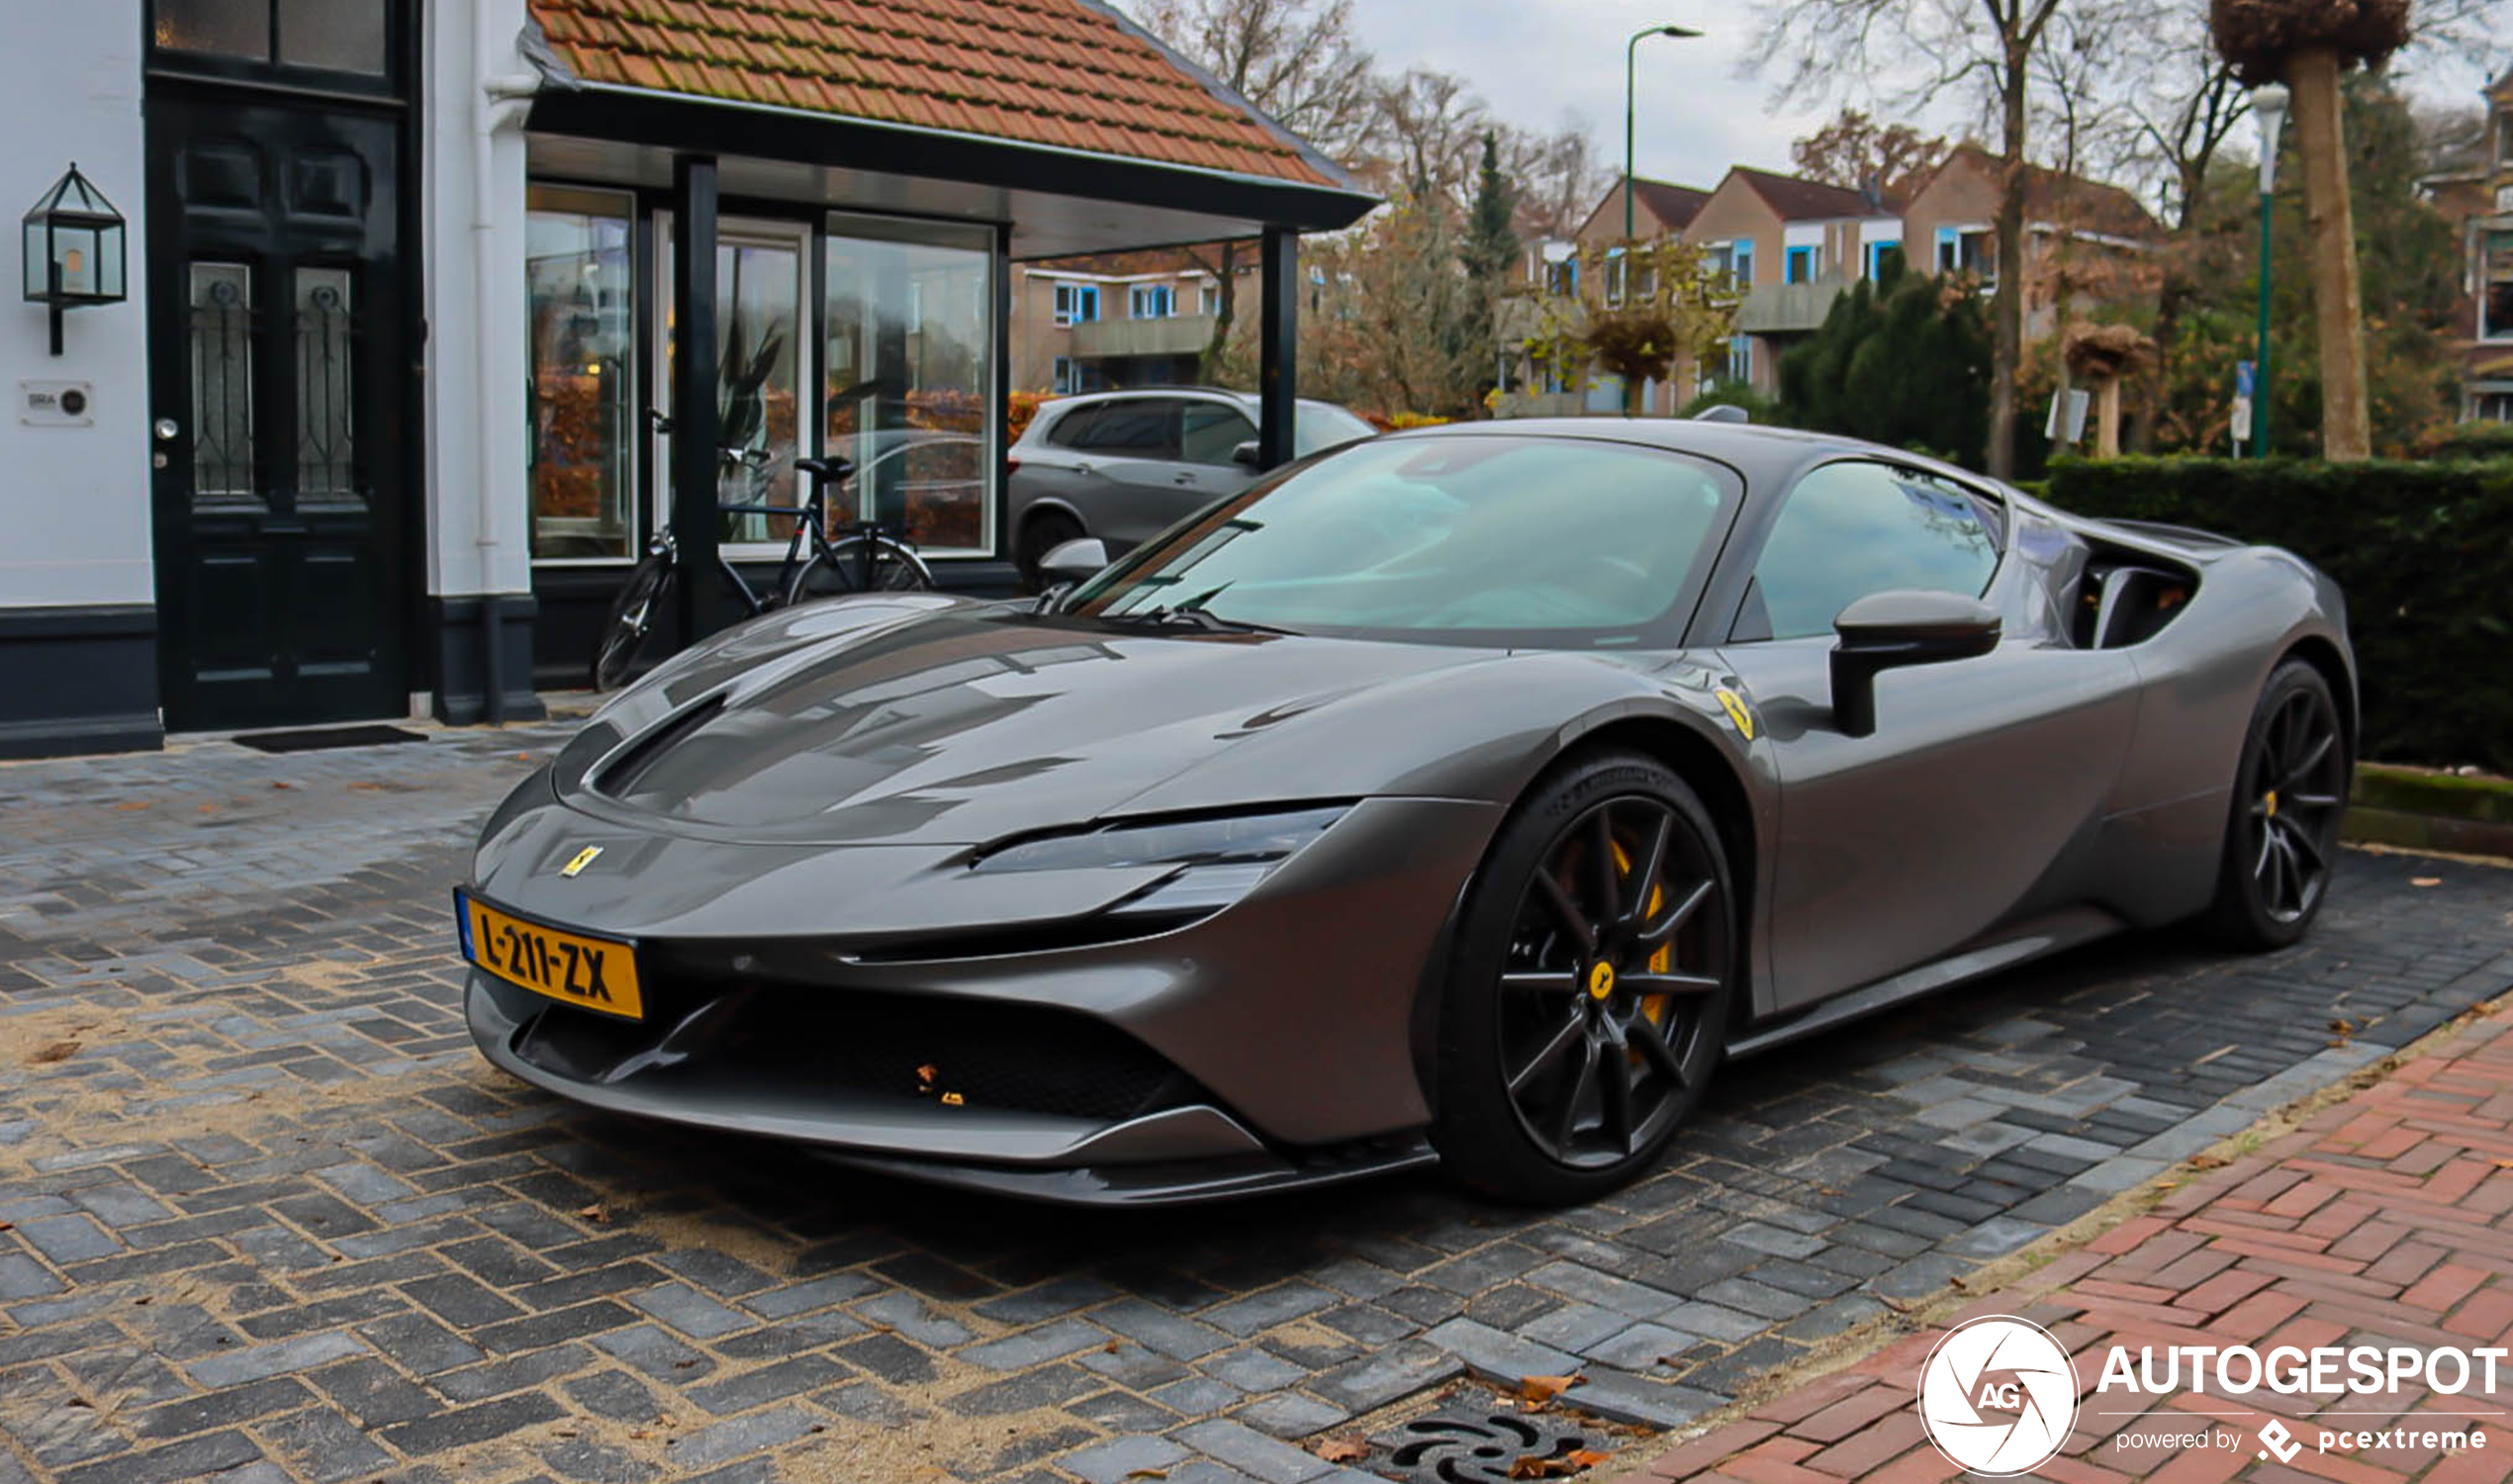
(919, 1048)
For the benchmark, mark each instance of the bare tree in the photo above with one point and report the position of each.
(1979, 53)
(1297, 63)
(1558, 177)
(1855, 149)
(1430, 126)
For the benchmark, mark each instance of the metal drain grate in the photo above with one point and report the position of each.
(1478, 1447)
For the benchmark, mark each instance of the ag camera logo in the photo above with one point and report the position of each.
(1997, 1396)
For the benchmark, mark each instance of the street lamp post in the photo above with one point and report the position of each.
(2268, 106)
(1631, 52)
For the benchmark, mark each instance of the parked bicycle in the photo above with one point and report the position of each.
(863, 556)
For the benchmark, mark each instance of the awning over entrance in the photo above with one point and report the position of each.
(1056, 124)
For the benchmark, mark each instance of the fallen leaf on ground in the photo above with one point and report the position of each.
(595, 1212)
(58, 1050)
(276, 783)
(1585, 1457)
(1345, 1449)
(1149, 1473)
(136, 803)
(2425, 881)
(2499, 1162)
(1537, 1467)
(1546, 1388)
(6, 1225)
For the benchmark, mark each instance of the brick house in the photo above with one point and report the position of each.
(2479, 204)
(2084, 239)
(1793, 245)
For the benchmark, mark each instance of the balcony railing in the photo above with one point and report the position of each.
(1178, 335)
(1789, 308)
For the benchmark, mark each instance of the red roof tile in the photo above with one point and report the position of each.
(1042, 71)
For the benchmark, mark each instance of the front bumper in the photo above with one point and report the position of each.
(1269, 1045)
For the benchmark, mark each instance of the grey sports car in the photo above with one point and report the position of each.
(1465, 794)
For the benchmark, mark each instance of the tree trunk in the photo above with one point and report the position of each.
(1225, 310)
(2007, 355)
(2107, 418)
(2320, 133)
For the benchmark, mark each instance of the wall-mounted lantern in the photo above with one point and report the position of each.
(74, 250)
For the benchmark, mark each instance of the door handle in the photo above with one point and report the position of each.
(167, 429)
(1187, 479)
(1081, 468)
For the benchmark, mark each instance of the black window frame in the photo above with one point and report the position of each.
(395, 81)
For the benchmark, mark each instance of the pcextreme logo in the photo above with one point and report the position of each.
(1997, 1396)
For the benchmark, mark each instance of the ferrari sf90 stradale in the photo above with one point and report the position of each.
(1465, 794)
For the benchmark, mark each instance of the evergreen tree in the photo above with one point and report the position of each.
(1490, 251)
(1904, 361)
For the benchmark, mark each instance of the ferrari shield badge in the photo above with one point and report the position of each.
(1737, 714)
(585, 857)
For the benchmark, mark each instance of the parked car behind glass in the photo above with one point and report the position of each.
(1123, 466)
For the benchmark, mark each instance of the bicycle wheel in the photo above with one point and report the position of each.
(838, 570)
(632, 615)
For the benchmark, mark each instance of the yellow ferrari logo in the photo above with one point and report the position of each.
(1600, 980)
(1737, 714)
(584, 857)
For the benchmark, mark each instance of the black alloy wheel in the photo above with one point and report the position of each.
(1605, 975)
(2284, 837)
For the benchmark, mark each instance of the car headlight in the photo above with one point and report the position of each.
(1217, 861)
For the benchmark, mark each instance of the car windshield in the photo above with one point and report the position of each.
(1486, 538)
(1314, 427)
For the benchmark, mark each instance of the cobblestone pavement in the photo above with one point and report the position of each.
(269, 1217)
(2383, 1221)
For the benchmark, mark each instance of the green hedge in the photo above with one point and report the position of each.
(2424, 551)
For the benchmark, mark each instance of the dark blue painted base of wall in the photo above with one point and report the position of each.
(78, 680)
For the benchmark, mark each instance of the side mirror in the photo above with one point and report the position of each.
(1074, 561)
(1887, 631)
(1246, 453)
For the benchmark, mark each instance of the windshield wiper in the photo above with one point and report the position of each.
(1188, 615)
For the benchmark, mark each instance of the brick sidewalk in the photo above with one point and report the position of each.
(2380, 1220)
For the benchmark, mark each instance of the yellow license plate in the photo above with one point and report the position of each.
(591, 973)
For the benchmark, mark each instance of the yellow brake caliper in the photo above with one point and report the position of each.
(1653, 1007)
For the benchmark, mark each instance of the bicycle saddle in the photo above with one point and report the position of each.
(831, 469)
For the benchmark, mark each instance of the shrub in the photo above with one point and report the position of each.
(2468, 440)
(2423, 550)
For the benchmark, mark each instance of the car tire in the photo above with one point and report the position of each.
(2282, 832)
(1577, 1033)
(1041, 534)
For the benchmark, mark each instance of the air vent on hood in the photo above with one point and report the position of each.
(621, 772)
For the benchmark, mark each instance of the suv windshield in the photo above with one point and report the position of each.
(1314, 427)
(1488, 539)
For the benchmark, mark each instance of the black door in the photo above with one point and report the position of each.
(279, 367)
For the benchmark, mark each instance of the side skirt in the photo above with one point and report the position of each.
(2011, 946)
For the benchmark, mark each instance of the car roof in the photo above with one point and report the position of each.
(1091, 398)
(1762, 454)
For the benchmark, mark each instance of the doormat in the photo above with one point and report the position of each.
(315, 738)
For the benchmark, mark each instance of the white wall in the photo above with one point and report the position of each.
(74, 501)
(477, 509)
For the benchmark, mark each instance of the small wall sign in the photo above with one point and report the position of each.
(57, 404)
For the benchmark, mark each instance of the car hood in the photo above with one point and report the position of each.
(957, 724)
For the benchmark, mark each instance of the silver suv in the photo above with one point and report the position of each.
(1124, 466)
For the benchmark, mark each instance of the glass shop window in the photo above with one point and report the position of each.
(581, 419)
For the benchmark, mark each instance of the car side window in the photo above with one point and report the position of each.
(1068, 429)
(1209, 430)
(1856, 527)
(1142, 429)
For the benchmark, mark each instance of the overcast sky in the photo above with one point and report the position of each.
(1540, 63)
